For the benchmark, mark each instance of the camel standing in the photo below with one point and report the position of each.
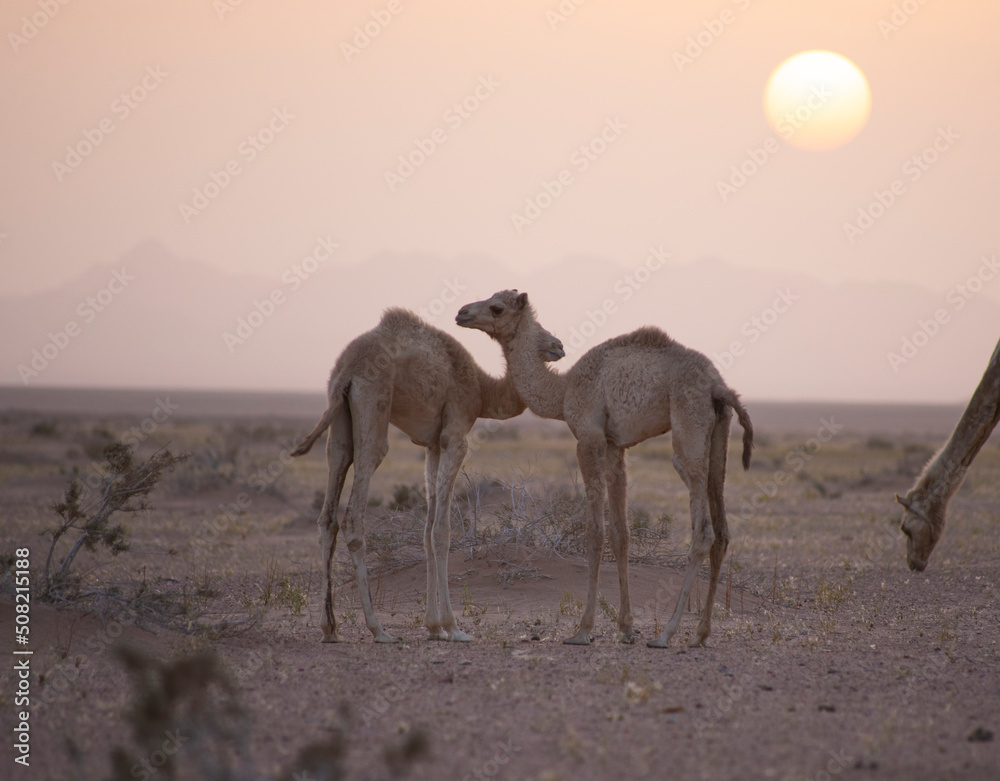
(424, 382)
(925, 505)
(618, 394)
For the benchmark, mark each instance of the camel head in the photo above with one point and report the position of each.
(502, 314)
(921, 533)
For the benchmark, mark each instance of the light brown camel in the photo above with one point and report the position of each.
(618, 394)
(424, 382)
(925, 505)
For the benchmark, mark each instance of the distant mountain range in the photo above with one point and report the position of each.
(153, 320)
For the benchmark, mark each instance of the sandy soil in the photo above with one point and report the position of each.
(828, 657)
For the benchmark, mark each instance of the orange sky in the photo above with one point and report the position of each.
(645, 110)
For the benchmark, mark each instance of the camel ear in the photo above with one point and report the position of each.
(522, 301)
(903, 501)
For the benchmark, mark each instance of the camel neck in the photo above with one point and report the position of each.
(944, 475)
(541, 388)
(500, 398)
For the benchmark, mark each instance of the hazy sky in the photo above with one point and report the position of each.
(239, 132)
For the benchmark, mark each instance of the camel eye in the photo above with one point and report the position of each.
(496, 309)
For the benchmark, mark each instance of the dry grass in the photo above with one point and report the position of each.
(813, 582)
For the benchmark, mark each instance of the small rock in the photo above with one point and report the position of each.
(827, 708)
(980, 735)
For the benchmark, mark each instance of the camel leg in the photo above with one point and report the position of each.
(590, 453)
(453, 450)
(618, 504)
(432, 617)
(370, 416)
(339, 455)
(691, 460)
(717, 508)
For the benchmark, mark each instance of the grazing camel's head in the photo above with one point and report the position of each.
(502, 315)
(921, 530)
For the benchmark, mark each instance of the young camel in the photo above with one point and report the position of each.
(424, 382)
(618, 394)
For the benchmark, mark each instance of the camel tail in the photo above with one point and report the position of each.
(730, 399)
(337, 391)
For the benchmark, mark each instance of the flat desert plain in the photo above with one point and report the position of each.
(196, 653)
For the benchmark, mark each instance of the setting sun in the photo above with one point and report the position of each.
(817, 100)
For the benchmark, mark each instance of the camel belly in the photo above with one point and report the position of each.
(416, 410)
(628, 433)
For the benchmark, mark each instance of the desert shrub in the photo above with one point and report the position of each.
(45, 428)
(220, 463)
(406, 497)
(187, 721)
(96, 442)
(92, 522)
(876, 442)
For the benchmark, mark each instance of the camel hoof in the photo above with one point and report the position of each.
(627, 636)
(384, 638)
(659, 642)
(698, 643)
(458, 636)
(437, 634)
(332, 638)
(581, 638)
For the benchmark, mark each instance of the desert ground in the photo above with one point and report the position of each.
(196, 653)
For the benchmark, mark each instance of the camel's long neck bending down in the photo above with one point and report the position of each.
(500, 397)
(541, 388)
(943, 476)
